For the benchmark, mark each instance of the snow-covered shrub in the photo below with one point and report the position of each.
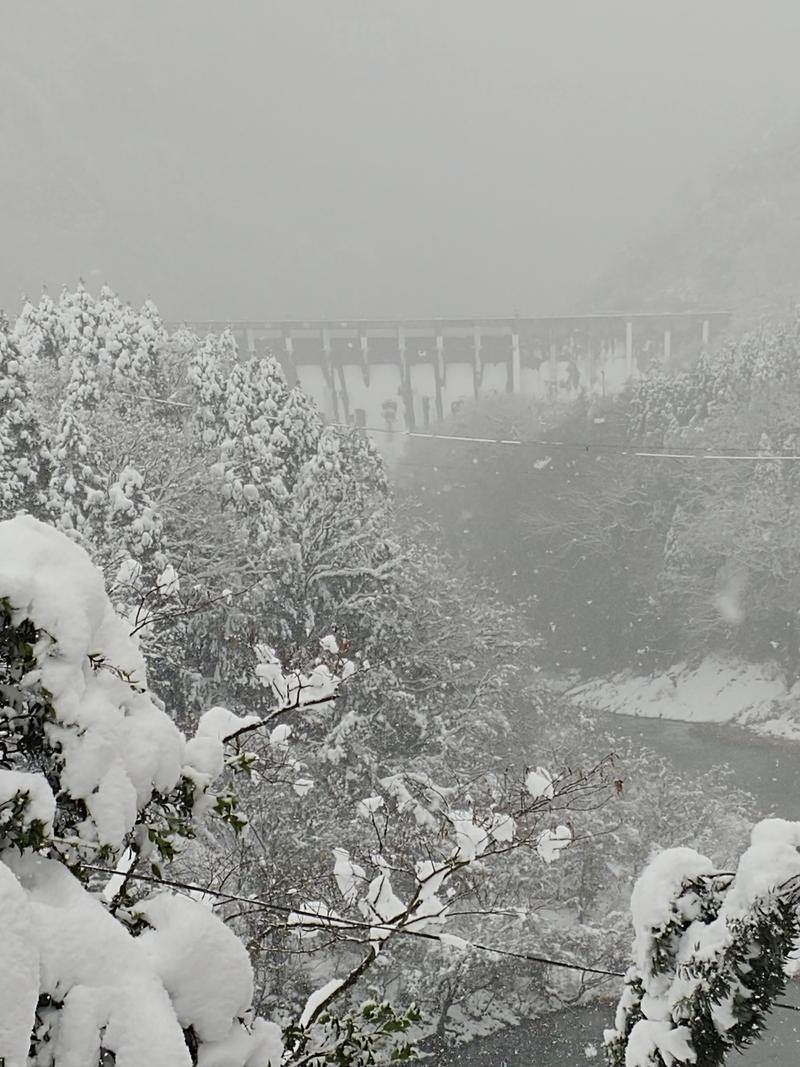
(710, 952)
(23, 455)
(93, 770)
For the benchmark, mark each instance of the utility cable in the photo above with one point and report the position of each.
(337, 923)
(645, 452)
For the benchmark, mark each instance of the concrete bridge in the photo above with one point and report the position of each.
(408, 374)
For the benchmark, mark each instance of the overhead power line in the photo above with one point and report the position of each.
(616, 449)
(335, 923)
(339, 923)
(643, 452)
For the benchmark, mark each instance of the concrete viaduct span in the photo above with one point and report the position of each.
(407, 374)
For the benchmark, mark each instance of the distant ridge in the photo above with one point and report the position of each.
(735, 245)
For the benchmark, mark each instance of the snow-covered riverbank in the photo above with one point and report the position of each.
(717, 691)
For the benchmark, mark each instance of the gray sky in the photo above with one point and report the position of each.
(311, 158)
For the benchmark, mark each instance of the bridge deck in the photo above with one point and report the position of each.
(716, 317)
(378, 371)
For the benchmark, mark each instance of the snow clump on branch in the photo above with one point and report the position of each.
(94, 769)
(711, 951)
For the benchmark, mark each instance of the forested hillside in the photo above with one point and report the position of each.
(732, 242)
(326, 756)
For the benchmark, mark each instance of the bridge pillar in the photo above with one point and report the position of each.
(288, 347)
(667, 345)
(364, 358)
(629, 349)
(552, 384)
(250, 341)
(477, 366)
(329, 375)
(438, 375)
(515, 363)
(405, 377)
(706, 331)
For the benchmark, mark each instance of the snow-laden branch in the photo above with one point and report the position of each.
(100, 769)
(458, 838)
(710, 951)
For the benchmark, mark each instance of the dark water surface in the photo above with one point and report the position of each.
(766, 767)
(560, 1040)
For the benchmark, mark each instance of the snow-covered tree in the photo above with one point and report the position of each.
(23, 446)
(730, 564)
(282, 578)
(131, 344)
(40, 332)
(92, 771)
(78, 485)
(285, 493)
(341, 514)
(710, 952)
(95, 774)
(207, 367)
(87, 365)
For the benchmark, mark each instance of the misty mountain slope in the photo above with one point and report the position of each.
(89, 172)
(734, 245)
(46, 183)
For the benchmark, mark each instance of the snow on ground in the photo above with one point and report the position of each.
(718, 690)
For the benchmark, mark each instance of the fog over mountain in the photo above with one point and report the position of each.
(734, 244)
(352, 158)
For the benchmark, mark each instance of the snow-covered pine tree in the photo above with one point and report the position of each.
(77, 490)
(254, 478)
(24, 456)
(106, 353)
(206, 373)
(295, 436)
(82, 327)
(150, 338)
(342, 517)
(39, 331)
(133, 554)
(133, 345)
(710, 952)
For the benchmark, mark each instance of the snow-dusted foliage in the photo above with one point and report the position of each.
(208, 364)
(341, 520)
(730, 546)
(302, 517)
(40, 331)
(254, 554)
(669, 406)
(710, 952)
(122, 344)
(380, 905)
(73, 370)
(93, 768)
(23, 454)
(224, 475)
(77, 489)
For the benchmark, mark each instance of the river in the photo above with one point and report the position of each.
(766, 768)
(561, 1040)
